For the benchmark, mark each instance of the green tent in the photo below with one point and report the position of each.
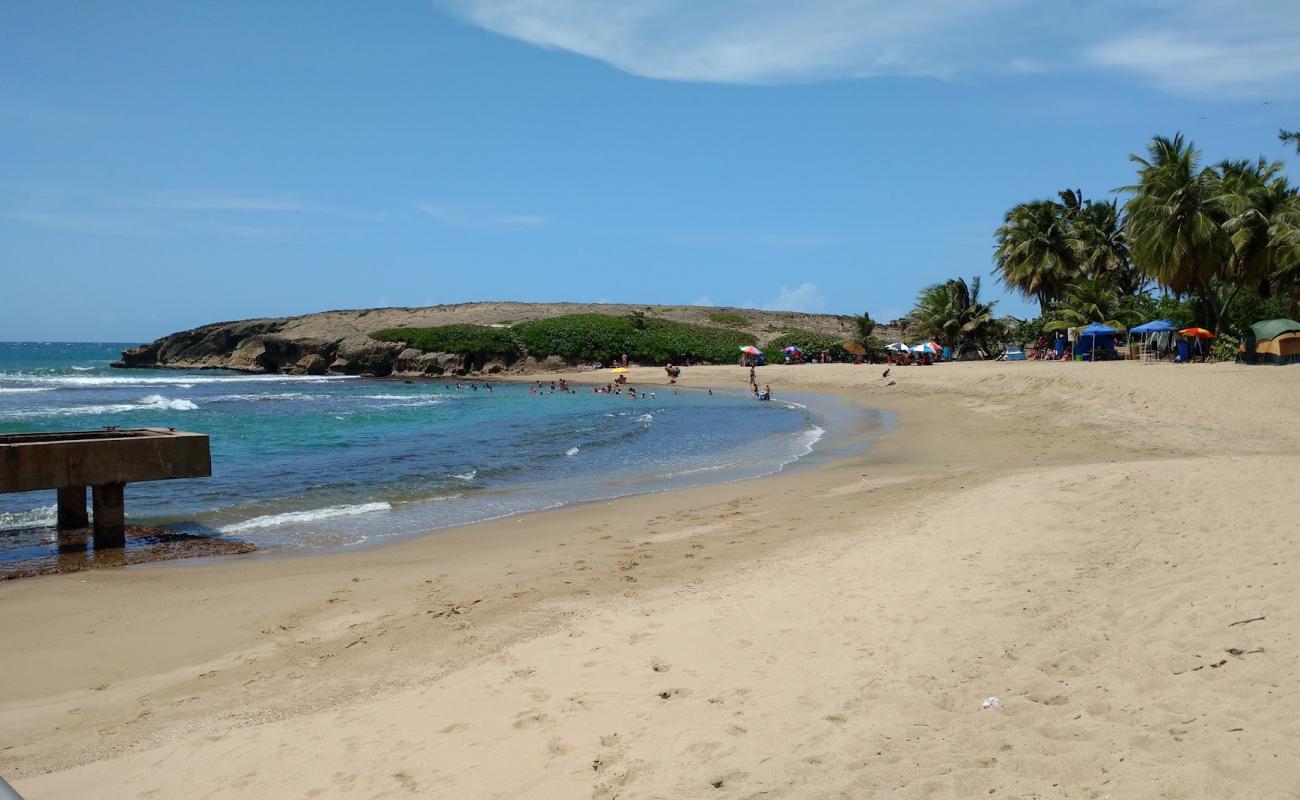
(1273, 341)
(1273, 328)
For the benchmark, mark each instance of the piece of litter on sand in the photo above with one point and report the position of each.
(991, 702)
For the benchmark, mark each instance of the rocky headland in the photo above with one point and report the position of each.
(340, 342)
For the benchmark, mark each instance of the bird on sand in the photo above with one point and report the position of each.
(885, 374)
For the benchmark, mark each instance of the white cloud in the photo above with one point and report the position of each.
(1187, 46)
(202, 202)
(1028, 66)
(806, 297)
(1210, 62)
(741, 41)
(66, 222)
(459, 219)
(246, 231)
(520, 220)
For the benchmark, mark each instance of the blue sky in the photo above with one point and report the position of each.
(171, 164)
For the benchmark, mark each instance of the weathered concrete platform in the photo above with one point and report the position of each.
(106, 460)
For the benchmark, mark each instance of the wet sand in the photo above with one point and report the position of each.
(73, 551)
(1108, 549)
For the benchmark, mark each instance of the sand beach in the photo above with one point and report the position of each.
(1107, 549)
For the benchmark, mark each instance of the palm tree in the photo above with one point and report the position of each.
(1091, 300)
(1174, 220)
(863, 327)
(1102, 246)
(1035, 253)
(1262, 221)
(952, 314)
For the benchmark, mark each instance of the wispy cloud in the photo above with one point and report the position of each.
(804, 297)
(1211, 63)
(740, 41)
(245, 231)
(80, 224)
(1191, 46)
(460, 219)
(214, 202)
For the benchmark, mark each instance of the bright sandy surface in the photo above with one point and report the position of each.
(1084, 542)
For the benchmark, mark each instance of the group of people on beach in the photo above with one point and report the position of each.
(766, 394)
(908, 359)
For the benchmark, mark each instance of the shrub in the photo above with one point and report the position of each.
(1224, 348)
(454, 339)
(600, 337)
(678, 341)
(812, 344)
(729, 318)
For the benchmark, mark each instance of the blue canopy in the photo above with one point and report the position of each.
(1097, 329)
(1157, 326)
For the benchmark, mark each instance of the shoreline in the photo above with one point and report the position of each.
(419, 517)
(897, 576)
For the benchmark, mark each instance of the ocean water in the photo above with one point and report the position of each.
(317, 463)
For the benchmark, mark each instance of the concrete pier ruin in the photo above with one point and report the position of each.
(105, 461)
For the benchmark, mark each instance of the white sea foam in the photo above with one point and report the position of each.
(76, 381)
(810, 439)
(24, 389)
(467, 476)
(159, 402)
(83, 369)
(153, 402)
(572, 451)
(266, 397)
(36, 518)
(646, 418)
(292, 517)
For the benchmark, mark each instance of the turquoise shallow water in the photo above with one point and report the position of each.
(315, 463)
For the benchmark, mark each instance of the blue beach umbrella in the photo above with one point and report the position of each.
(1155, 326)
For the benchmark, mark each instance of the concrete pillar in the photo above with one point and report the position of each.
(72, 508)
(110, 517)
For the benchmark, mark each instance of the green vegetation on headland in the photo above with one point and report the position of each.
(729, 318)
(582, 338)
(646, 340)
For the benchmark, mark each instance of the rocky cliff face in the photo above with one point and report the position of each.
(339, 341)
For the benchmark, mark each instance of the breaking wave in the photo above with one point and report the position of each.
(90, 381)
(36, 518)
(291, 517)
(153, 402)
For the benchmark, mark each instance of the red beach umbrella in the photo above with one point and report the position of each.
(1199, 333)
